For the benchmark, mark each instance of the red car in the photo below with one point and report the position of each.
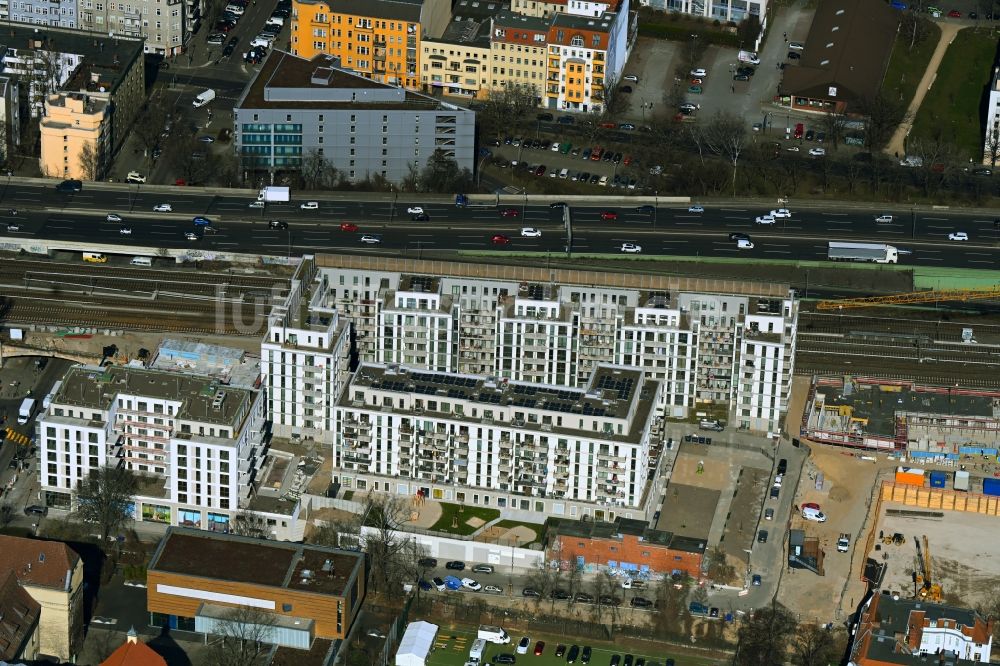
(347, 226)
(500, 240)
(955, 14)
(609, 215)
(180, 182)
(540, 171)
(508, 212)
(539, 648)
(627, 160)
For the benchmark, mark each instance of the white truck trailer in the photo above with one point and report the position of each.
(878, 253)
(24, 413)
(274, 194)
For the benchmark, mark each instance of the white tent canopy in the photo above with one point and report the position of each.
(416, 644)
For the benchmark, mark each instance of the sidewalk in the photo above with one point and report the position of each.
(897, 145)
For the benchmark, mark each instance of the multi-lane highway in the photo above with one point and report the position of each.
(922, 236)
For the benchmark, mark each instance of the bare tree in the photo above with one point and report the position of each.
(813, 645)
(393, 554)
(606, 591)
(443, 175)
(249, 523)
(341, 532)
(719, 568)
(90, 161)
(243, 637)
(764, 637)
(6, 515)
(670, 600)
(726, 135)
(149, 127)
(107, 498)
(318, 173)
(834, 124)
(505, 106)
(881, 117)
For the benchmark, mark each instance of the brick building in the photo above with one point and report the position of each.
(627, 544)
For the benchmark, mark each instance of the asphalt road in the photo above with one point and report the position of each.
(922, 237)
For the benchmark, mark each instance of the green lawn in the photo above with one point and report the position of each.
(449, 513)
(451, 648)
(538, 528)
(952, 105)
(907, 67)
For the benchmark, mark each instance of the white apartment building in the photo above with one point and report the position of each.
(196, 444)
(556, 333)
(305, 358)
(991, 143)
(489, 441)
(160, 22)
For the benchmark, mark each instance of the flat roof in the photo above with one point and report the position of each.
(202, 398)
(596, 529)
(893, 624)
(309, 568)
(324, 73)
(400, 10)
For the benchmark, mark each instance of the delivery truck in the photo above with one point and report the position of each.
(878, 253)
(24, 413)
(274, 194)
(748, 56)
(203, 98)
(95, 257)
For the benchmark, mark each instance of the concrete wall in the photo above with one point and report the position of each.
(446, 548)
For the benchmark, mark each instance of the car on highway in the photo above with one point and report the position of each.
(277, 224)
(190, 235)
(738, 235)
(958, 236)
(523, 645)
(646, 209)
(256, 204)
(309, 205)
(883, 219)
(112, 217)
(493, 589)
(817, 152)
(371, 239)
(781, 212)
(609, 215)
(200, 221)
(500, 239)
(135, 177)
(415, 210)
(696, 208)
(744, 244)
(509, 212)
(71, 185)
(631, 248)
(13, 227)
(125, 231)
(764, 219)
(162, 208)
(471, 584)
(700, 73)
(539, 648)
(423, 217)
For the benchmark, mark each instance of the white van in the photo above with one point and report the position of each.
(478, 648)
(493, 634)
(744, 244)
(564, 174)
(203, 98)
(142, 261)
(883, 219)
(815, 515)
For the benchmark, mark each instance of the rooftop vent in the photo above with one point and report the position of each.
(321, 76)
(217, 400)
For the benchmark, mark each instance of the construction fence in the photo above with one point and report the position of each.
(940, 498)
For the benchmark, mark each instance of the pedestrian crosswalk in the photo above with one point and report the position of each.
(17, 438)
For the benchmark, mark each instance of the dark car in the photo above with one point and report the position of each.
(544, 117)
(810, 135)
(540, 171)
(230, 46)
(647, 209)
(741, 77)
(762, 536)
(277, 224)
(628, 660)
(424, 585)
(775, 492)
(583, 598)
(557, 204)
(530, 592)
(782, 466)
(594, 178)
(625, 89)
(640, 602)
(428, 562)
(792, 55)
(455, 565)
(559, 595)
(585, 655)
(610, 601)
(566, 120)
(560, 650)
(70, 186)
(422, 217)
(615, 660)
(640, 661)
(509, 212)
(504, 658)
(573, 653)
(35, 509)
(737, 236)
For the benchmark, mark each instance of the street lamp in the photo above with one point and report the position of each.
(392, 208)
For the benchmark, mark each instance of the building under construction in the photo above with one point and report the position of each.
(927, 422)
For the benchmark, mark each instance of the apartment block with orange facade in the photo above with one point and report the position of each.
(197, 580)
(626, 544)
(379, 39)
(911, 632)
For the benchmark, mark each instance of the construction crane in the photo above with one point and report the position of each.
(926, 588)
(927, 296)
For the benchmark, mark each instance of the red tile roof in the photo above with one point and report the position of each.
(18, 616)
(134, 654)
(38, 562)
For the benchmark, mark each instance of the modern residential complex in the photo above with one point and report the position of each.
(197, 445)
(309, 593)
(991, 142)
(514, 336)
(722, 10)
(565, 50)
(294, 108)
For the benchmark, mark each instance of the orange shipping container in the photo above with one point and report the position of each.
(910, 476)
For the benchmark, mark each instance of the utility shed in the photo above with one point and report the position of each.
(416, 644)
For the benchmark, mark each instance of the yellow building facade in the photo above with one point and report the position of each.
(73, 122)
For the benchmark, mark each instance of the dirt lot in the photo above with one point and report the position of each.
(688, 510)
(966, 567)
(844, 497)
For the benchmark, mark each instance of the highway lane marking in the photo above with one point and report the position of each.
(838, 221)
(979, 261)
(930, 259)
(937, 219)
(837, 214)
(978, 254)
(742, 219)
(733, 210)
(931, 226)
(777, 251)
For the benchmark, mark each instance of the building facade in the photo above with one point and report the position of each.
(75, 136)
(458, 62)
(626, 545)
(379, 40)
(161, 23)
(52, 574)
(307, 592)
(517, 52)
(197, 445)
(991, 143)
(487, 441)
(57, 13)
(294, 108)
(722, 10)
